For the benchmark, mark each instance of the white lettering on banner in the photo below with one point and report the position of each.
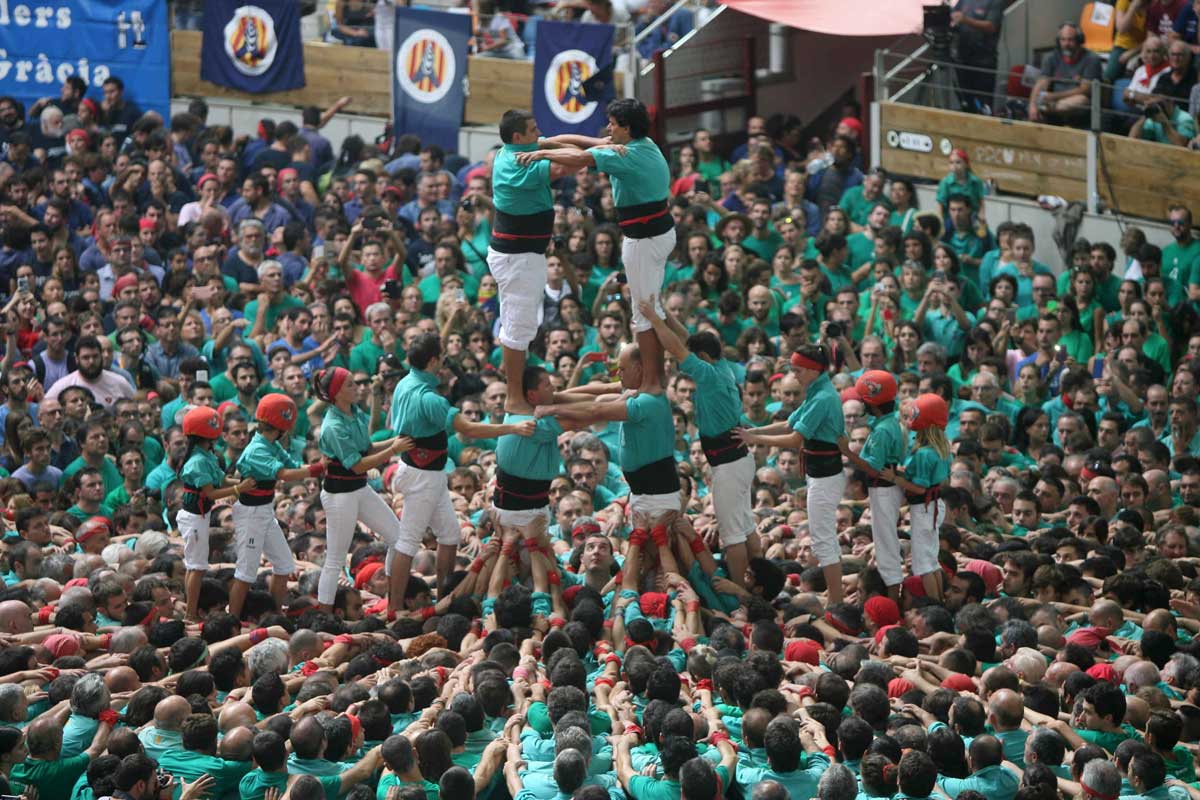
(46, 72)
(135, 24)
(39, 16)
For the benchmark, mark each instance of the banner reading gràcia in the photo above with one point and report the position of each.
(44, 42)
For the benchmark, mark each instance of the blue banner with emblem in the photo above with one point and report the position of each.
(252, 47)
(572, 77)
(43, 44)
(429, 72)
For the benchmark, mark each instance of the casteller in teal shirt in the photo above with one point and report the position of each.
(263, 459)
(926, 468)
(648, 432)
(885, 445)
(521, 190)
(639, 175)
(718, 402)
(535, 457)
(417, 408)
(819, 417)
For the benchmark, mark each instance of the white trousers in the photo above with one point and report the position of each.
(885, 503)
(655, 505)
(516, 519)
(343, 512)
(731, 485)
(427, 505)
(824, 495)
(194, 528)
(924, 535)
(645, 263)
(521, 279)
(256, 531)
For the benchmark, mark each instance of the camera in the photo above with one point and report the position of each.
(621, 278)
(1152, 110)
(560, 243)
(467, 204)
(833, 330)
(393, 289)
(936, 30)
(372, 223)
(701, 185)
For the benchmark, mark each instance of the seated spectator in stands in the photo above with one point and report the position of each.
(1154, 65)
(1130, 35)
(1063, 93)
(354, 23)
(496, 35)
(1186, 26)
(665, 34)
(1178, 83)
(1165, 122)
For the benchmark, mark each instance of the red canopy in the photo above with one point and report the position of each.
(840, 17)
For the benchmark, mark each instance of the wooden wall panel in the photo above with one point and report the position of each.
(1022, 157)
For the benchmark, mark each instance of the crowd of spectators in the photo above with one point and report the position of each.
(1148, 79)
(149, 267)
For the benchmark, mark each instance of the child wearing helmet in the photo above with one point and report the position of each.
(924, 471)
(204, 481)
(884, 449)
(256, 530)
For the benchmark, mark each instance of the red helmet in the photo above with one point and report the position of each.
(928, 410)
(278, 411)
(876, 387)
(202, 421)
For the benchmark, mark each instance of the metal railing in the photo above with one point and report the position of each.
(916, 78)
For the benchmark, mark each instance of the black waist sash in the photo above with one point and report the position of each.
(879, 483)
(821, 459)
(522, 233)
(262, 494)
(645, 219)
(722, 448)
(340, 480)
(930, 495)
(514, 493)
(195, 502)
(657, 477)
(429, 452)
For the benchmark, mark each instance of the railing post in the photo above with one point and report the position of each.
(880, 71)
(1097, 90)
(633, 70)
(876, 111)
(660, 99)
(1093, 183)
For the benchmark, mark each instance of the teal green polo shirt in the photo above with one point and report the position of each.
(648, 433)
(819, 417)
(718, 402)
(639, 176)
(535, 457)
(885, 446)
(417, 408)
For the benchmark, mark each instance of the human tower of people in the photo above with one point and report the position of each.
(699, 669)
